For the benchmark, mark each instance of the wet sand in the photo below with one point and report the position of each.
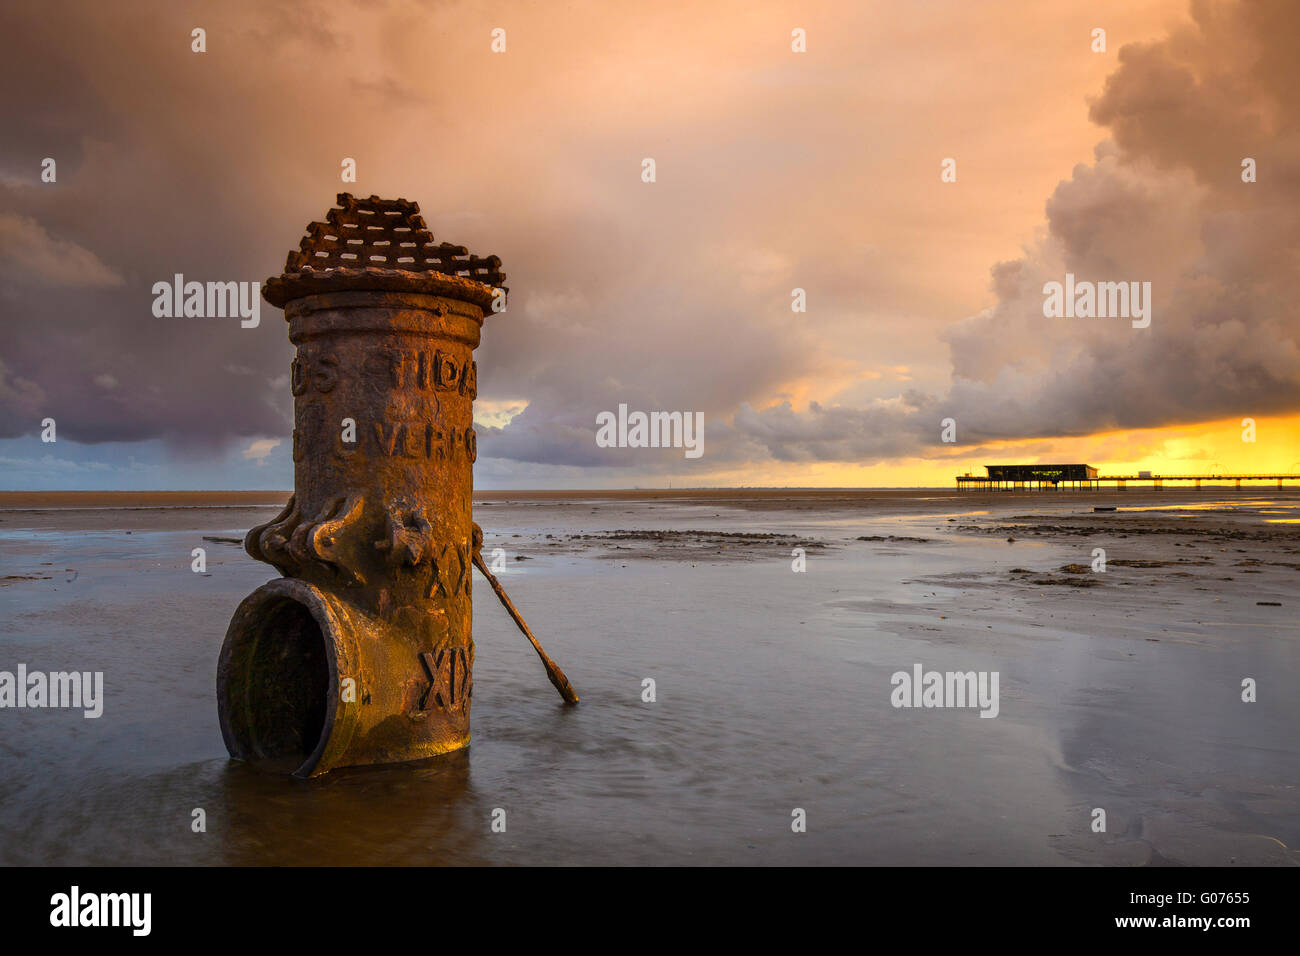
(773, 687)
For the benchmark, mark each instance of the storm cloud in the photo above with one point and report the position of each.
(776, 171)
(1164, 202)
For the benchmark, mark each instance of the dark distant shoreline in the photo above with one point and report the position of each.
(29, 500)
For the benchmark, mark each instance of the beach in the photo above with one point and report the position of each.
(772, 625)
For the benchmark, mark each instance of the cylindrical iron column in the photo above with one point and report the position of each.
(363, 652)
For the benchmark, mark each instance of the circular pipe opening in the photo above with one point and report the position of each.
(274, 686)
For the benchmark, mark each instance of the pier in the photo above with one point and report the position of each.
(1081, 477)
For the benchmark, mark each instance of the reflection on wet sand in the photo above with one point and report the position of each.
(772, 689)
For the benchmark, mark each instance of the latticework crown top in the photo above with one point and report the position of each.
(383, 244)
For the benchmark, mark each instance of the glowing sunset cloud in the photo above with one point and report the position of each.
(851, 217)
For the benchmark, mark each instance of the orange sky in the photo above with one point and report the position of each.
(776, 170)
(1210, 448)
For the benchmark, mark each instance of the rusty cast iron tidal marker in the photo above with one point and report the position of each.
(362, 653)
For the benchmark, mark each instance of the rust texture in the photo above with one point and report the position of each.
(362, 653)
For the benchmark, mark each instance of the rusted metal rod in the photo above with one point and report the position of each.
(552, 669)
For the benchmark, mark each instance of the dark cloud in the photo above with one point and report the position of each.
(1163, 202)
(674, 296)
